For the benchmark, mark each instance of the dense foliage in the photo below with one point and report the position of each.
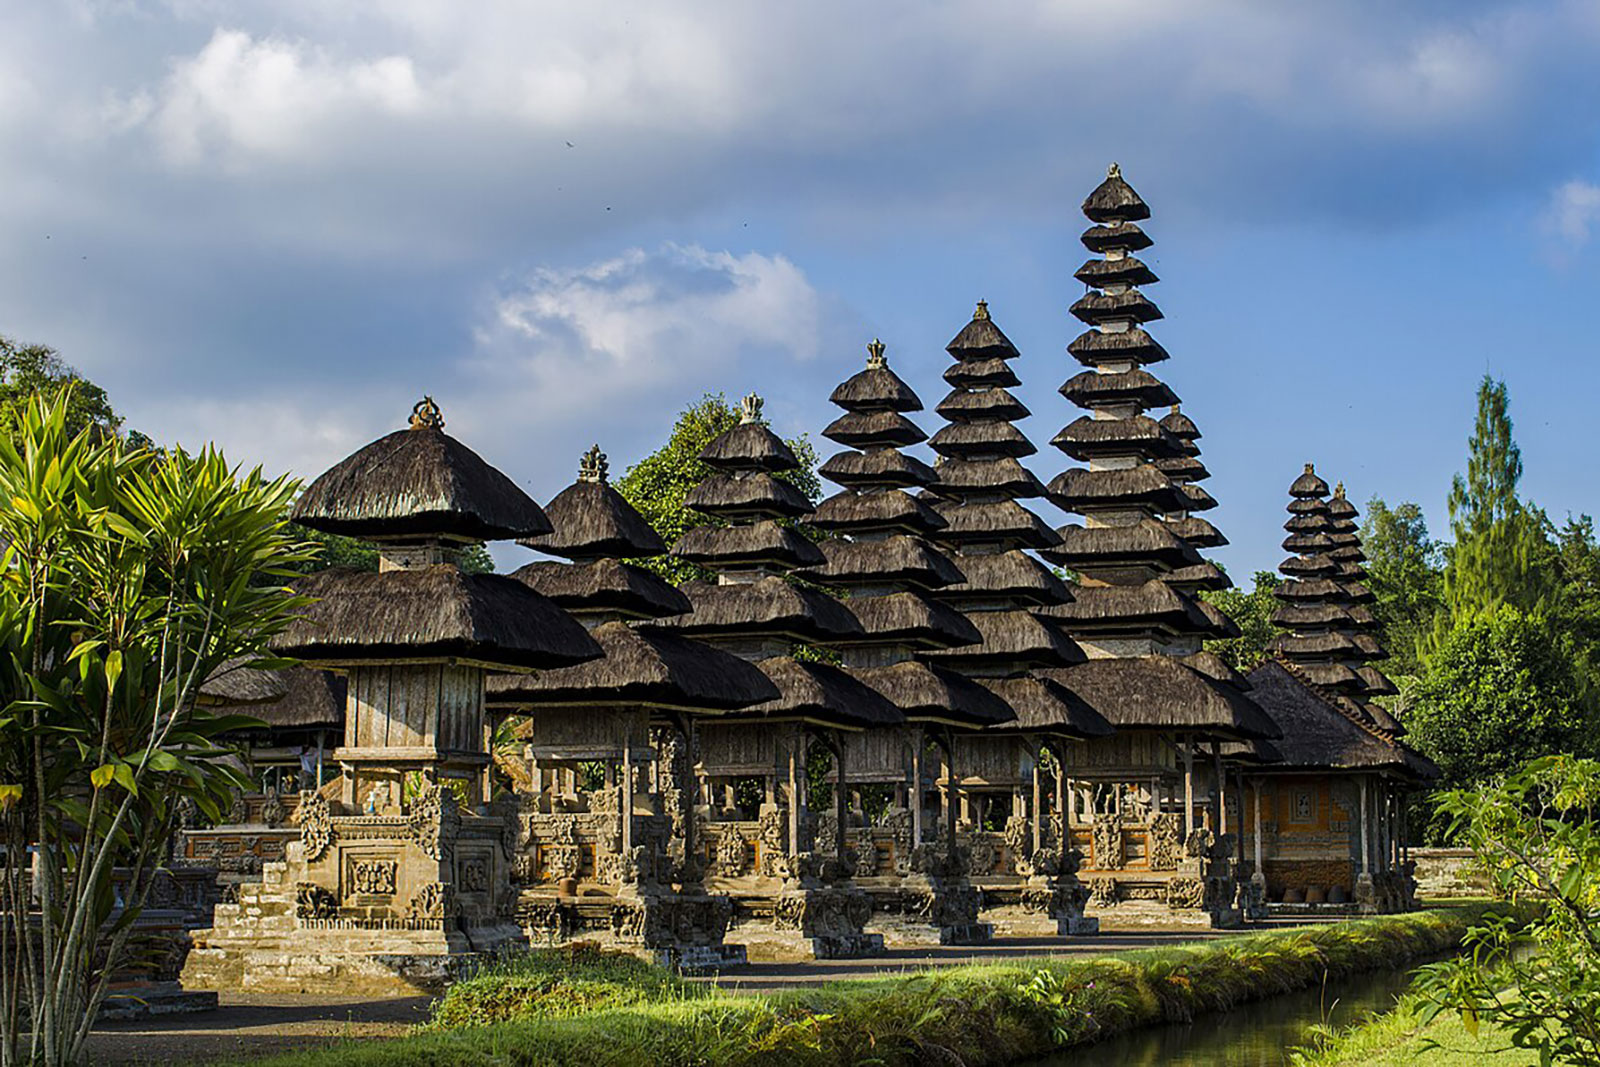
(1253, 612)
(27, 371)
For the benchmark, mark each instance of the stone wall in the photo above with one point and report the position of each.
(1299, 874)
(1444, 872)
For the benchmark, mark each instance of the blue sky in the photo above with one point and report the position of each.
(276, 225)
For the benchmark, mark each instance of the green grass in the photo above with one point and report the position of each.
(594, 1010)
(1399, 1038)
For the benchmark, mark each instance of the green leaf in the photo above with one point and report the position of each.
(101, 776)
(124, 776)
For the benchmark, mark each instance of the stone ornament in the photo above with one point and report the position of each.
(373, 877)
(435, 821)
(312, 901)
(316, 825)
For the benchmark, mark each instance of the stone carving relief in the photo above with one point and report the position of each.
(432, 900)
(435, 821)
(472, 875)
(312, 901)
(1019, 842)
(1185, 893)
(733, 855)
(772, 833)
(1107, 837)
(1166, 844)
(272, 813)
(373, 877)
(316, 825)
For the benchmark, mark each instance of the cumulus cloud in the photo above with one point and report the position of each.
(1573, 210)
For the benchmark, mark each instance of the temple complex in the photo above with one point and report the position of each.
(1148, 808)
(1010, 846)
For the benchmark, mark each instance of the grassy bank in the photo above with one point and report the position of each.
(1400, 1038)
(589, 1010)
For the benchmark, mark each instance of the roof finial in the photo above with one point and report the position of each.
(1114, 171)
(982, 313)
(425, 415)
(750, 409)
(1338, 491)
(593, 466)
(875, 357)
(1311, 468)
(1175, 410)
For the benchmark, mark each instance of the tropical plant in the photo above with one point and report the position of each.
(1536, 834)
(29, 370)
(1252, 611)
(1405, 574)
(130, 578)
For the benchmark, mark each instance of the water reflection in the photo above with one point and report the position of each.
(1255, 1035)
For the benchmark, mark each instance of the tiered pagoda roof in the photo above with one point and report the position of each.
(1134, 609)
(977, 491)
(592, 524)
(751, 609)
(881, 556)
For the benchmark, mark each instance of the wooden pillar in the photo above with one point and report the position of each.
(916, 786)
(1038, 808)
(952, 789)
(1365, 830)
(1220, 792)
(1063, 799)
(1187, 751)
(1256, 789)
(322, 745)
(838, 794)
(1239, 779)
(626, 805)
(796, 739)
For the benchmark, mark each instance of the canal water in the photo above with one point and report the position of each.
(1252, 1035)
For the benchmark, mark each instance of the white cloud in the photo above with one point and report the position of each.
(1573, 211)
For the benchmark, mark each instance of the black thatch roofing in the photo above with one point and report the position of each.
(1318, 645)
(1216, 668)
(977, 373)
(1128, 270)
(431, 613)
(1308, 589)
(911, 619)
(1095, 309)
(1213, 622)
(1047, 707)
(769, 607)
(874, 429)
(418, 483)
(1382, 719)
(1180, 425)
(311, 698)
(1114, 200)
(1197, 498)
(749, 446)
(640, 667)
(1308, 485)
(981, 339)
(235, 685)
(1126, 236)
(1377, 683)
(820, 693)
(1297, 616)
(967, 439)
(1183, 469)
(876, 389)
(877, 469)
(747, 494)
(1306, 522)
(1339, 507)
(981, 405)
(1147, 541)
(1137, 435)
(1012, 640)
(927, 693)
(1014, 575)
(1162, 693)
(993, 522)
(1202, 575)
(1003, 476)
(762, 543)
(1307, 505)
(1304, 543)
(893, 509)
(592, 520)
(899, 559)
(1331, 675)
(1094, 347)
(1318, 733)
(1316, 565)
(1197, 531)
(1103, 608)
(1083, 490)
(1090, 387)
(606, 585)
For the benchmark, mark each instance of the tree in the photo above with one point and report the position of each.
(1537, 835)
(29, 370)
(131, 577)
(1404, 572)
(1498, 539)
(1253, 612)
(658, 484)
(1500, 689)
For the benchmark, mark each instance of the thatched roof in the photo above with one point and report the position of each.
(900, 559)
(1308, 485)
(1331, 675)
(982, 405)
(1162, 693)
(1252, 753)
(1309, 616)
(1129, 270)
(1303, 543)
(964, 439)
(1382, 719)
(1202, 575)
(606, 585)
(1318, 645)
(1307, 506)
(1216, 668)
(747, 494)
(1197, 498)
(1096, 308)
(769, 607)
(1320, 733)
(820, 693)
(235, 685)
(1013, 575)
(311, 698)
(640, 667)
(1002, 476)
(1197, 532)
(756, 544)
(1091, 387)
(1183, 469)
(418, 483)
(749, 446)
(981, 339)
(1377, 683)
(431, 613)
(977, 373)
(892, 509)
(1307, 522)
(1212, 621)
(874, 429)
(1114, 200)
(876, 389)
(1094, 347)
(927, 693)
(1147, 541)
(882, 468)
(1103, 608)
(1340, 508)
(592, 520)
(1012, 640)
(1308, 589)
(1047, 707)
(1316, 565)
(911, 619)
(1081, 489)
(1180, 425)
(1126, 236)
(995, 521)
(1137, 435)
